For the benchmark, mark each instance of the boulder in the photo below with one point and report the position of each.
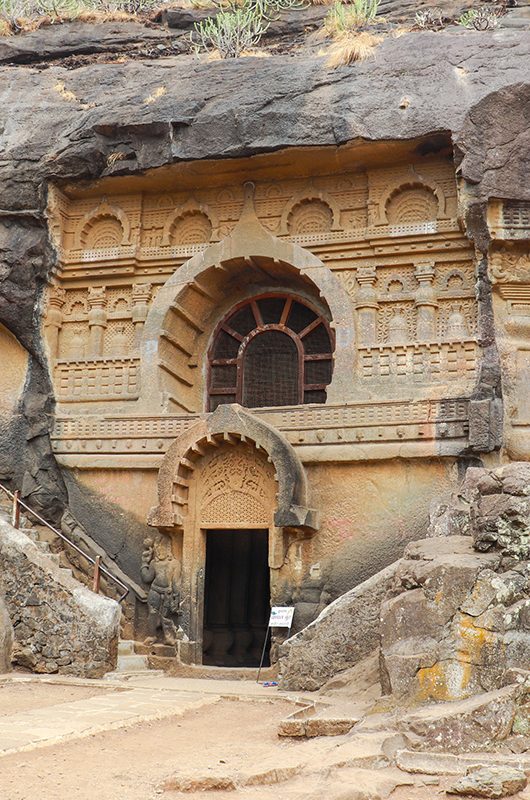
(344, 633)
(454, 622)
(465, 725)
(490, 782)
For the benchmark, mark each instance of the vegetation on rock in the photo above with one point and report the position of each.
(238, 27)
(17, 16)
(349, 27)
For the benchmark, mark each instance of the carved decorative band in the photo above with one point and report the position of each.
(144, 252)
(426, 363)
(350, 424)
(97, 379)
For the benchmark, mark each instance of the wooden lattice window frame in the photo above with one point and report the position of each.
(232, 392)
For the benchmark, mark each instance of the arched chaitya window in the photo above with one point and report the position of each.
(274, 350)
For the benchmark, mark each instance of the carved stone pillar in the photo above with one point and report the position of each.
(97, 319)
(426, 304)
(367, 307)
(54, 319)
(141, 294)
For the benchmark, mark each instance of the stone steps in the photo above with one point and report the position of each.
(41, 544)
(130, 663)
(322, 719)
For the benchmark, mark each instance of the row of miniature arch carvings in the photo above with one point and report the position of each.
(318, 207)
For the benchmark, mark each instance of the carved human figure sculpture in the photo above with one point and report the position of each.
(161, 570)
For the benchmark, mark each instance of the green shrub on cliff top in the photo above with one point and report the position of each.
(23, 15)
(238, 27)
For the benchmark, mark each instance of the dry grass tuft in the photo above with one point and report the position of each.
(160, 91)
(114, 157)
(65, 93)
(352, 47)
(21, 16)
(96, 15)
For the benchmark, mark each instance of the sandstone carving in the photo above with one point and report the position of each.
(161, 571)
(6, 635)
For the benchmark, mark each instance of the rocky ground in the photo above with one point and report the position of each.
(154, 737)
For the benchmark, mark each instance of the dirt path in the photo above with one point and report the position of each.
(229, 736)
(128, 764)
(15, 697)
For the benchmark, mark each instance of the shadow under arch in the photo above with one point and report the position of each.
(250, 246)
(231, 423)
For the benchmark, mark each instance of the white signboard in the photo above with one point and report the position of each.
(281, 617)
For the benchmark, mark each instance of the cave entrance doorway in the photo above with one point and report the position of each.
(236, 597)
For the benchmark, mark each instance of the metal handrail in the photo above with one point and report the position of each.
(98, 567)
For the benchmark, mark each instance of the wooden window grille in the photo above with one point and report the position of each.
(273, 350)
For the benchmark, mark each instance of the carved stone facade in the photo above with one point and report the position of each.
(509, 271)
(152, 269)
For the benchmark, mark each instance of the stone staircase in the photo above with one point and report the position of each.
(131, 664)
(128, 659)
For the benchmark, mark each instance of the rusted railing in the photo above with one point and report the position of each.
(99, 568)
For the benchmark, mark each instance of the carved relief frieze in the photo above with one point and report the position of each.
(509, 219)
(509, 270)
(351, 426)
(389, 233)
(236, 489)
(97, 379)
(92, 340)
(139, 228)
(415, 322)
(509, 265)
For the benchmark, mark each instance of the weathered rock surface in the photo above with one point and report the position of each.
(465, 725)
(82, 39)
(492, 506)
(6, 634)
(345, 632)
(60, 626)
(454, 622)
(490, 782)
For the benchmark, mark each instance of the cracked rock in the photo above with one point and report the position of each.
(490, 782)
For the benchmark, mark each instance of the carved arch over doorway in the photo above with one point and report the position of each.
(232, 424)
(200, 285)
